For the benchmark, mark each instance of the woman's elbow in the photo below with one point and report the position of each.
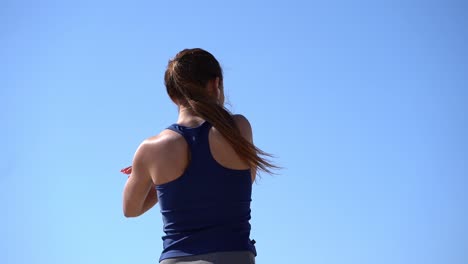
(128, 212)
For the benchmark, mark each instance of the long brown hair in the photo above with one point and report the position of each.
(186, 80)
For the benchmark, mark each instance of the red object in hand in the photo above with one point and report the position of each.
(127, 170)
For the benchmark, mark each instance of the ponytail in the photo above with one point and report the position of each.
(223, 121)
(186, 78)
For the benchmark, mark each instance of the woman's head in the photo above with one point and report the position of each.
(194, 80)
(194, 75)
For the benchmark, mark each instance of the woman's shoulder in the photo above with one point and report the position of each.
(162, 153)
(243, 124)
(240, 118)
(165, 139)
(164, 143)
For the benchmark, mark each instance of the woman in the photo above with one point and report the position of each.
(200, 169)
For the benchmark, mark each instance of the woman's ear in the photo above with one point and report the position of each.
(220, 91)
(213, 87)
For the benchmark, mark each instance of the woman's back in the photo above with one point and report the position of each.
(176, 153)
(206, 208)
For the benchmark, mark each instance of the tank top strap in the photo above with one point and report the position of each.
(196, 137)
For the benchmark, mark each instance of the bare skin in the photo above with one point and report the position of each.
(158, 159)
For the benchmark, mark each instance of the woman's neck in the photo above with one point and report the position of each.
(188, 118)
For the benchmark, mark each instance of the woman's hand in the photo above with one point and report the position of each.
(127, 170)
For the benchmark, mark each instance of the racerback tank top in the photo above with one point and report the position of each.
(206, 209)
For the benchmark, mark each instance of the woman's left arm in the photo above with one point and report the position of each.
(139, 193)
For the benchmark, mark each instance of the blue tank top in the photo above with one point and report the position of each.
(207, 209)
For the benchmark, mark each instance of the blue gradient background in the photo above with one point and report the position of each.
(363, 102)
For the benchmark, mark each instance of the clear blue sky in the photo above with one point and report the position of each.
(365, 104)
